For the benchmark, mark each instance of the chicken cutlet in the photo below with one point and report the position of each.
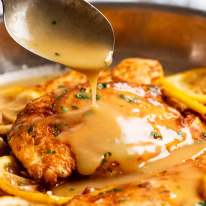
(59, 133)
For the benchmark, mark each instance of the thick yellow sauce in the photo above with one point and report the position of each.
(133, 133)
(184, 187)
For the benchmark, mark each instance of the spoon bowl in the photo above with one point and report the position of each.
(70, 32)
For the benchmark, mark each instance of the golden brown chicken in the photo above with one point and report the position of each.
(59, 133)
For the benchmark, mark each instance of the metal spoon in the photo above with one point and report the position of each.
(71, 32)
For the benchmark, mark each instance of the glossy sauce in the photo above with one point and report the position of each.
(184, 188)
(132, 133)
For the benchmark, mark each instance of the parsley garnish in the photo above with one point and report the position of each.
(156, 135)
(106, 155)
(204, 134)
(180, 133)
(112, 190)
(64, 109)
(62, 94)
(82, 90)
(128, 98)
(102, 85)
(56, 129)
(82, 94)
(54, 22)
(98, 97)
(71, 189)
(30, 129)
(74, 107)
(49, 151)
(116, 190)
(56, 54)
(203, 203)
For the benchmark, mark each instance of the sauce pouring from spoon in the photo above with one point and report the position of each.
(70, 32)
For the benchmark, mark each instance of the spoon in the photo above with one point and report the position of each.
(70, 32)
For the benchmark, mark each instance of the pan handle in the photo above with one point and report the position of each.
(187, 4)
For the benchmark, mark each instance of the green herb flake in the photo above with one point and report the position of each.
(82, 90)
(102, 86)
(117, 190)
(180, 133)
(54, 22)
(56, 129)
(49, 151)
(106, 155)
(128, 98)
(56, 54)
(82, 94)
(122, 199)
(98, 97)
(71, 189)
(30, 129)
(156, 135)
(114, 190)
(58, 97)
(111, 190)
(64, 109)
(74, 107)
(202, 203)
(61, 86)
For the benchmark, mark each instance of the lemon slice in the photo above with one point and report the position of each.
(192, 82)
(16, 201)
(184, 97)
(23, 187)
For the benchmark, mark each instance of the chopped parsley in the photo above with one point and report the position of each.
(49, 151)
(82, 90)
(128, 98)
(61, 86)
(74, 107)
(56, 129)
(98, 97)
(64, 109)
(106, 155)
(122, 199)
(203, 203)
(180, 133)
(62, 94)
(102, 86)
(54, 22)
(56, 54)
(71, 189)
(30, 129)
(156, 135)
(82, 94)
(111, 190)
(116, 190)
